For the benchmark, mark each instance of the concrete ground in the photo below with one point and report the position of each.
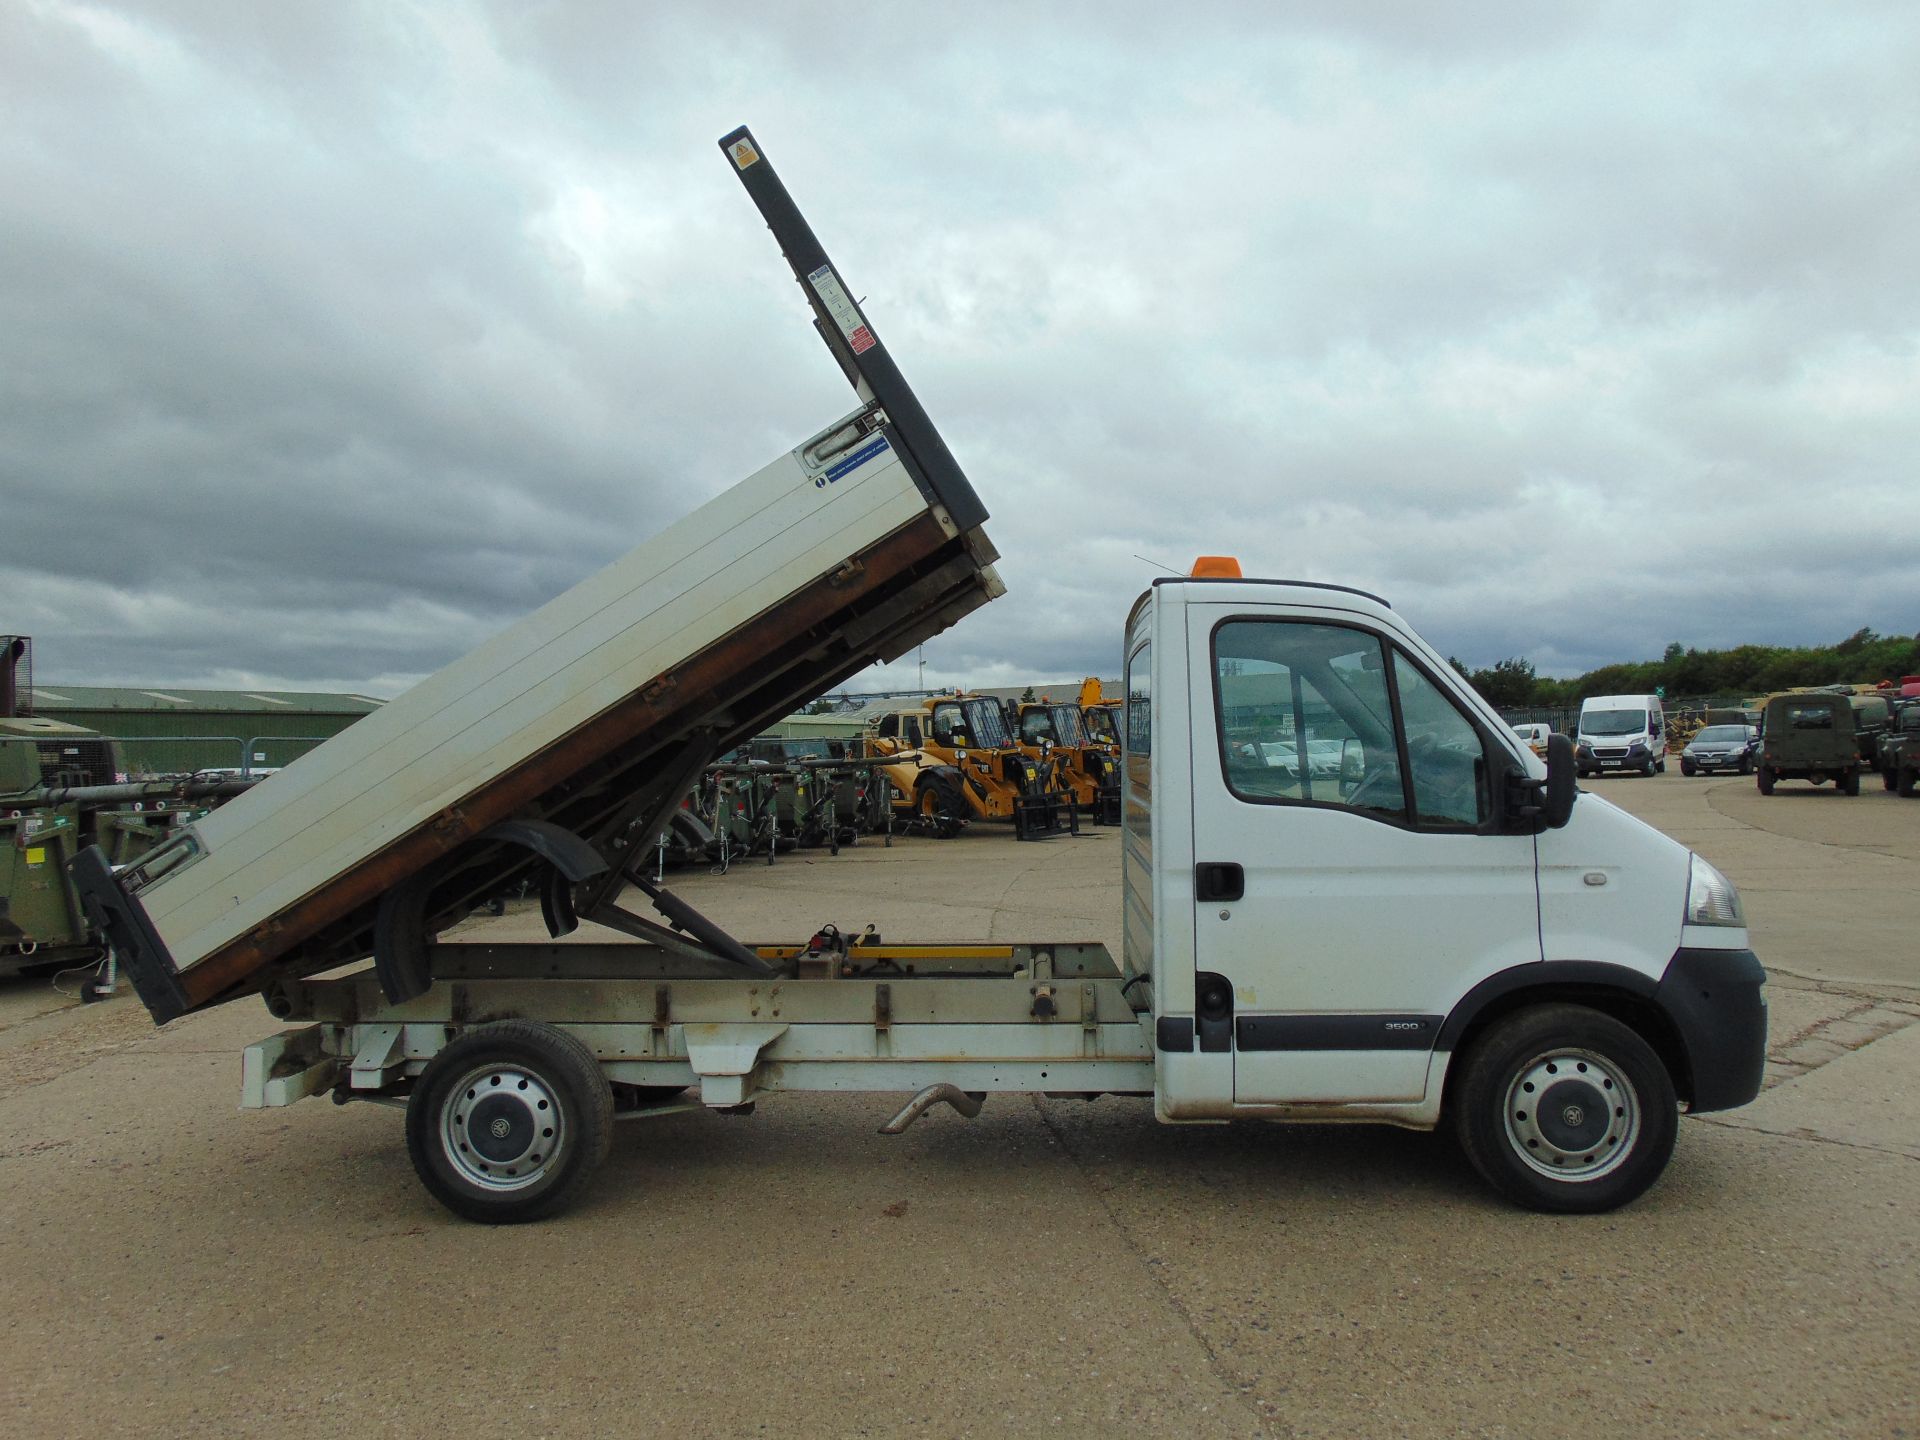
(172, 1265)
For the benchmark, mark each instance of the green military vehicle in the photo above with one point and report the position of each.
(1809, 737)
(63, 788)
(1899, 757)
(1872, 720)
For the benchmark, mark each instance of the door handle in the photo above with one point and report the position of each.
(1219, 880)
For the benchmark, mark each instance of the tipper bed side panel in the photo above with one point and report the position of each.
(852, 548)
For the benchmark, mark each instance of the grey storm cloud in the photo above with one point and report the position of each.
(333, 338)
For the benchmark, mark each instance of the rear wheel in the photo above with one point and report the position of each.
(1562, 1108)
(509, 1122)
(1904, 782)
(1766, 782)
(1850, 783)
(1746, 766)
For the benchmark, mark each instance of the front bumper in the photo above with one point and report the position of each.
(1714, 999)
(1589, 761)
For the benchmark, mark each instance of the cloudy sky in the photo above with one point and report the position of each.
(335, 337)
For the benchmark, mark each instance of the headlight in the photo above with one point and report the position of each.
(1711, 898)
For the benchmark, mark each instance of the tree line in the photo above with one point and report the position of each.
(1862, 658)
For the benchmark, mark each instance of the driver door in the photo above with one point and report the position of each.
(1351, 883)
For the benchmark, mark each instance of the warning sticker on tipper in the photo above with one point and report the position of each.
(36, 857)
(743, 153)
(832, 295)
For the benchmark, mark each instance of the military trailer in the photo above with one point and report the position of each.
(1447, 927)
(1808, 736)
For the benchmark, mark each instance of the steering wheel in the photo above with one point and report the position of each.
(1379, 788)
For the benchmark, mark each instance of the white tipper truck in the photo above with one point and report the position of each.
(1350, 892)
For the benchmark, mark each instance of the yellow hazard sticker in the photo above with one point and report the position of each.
(743, 153)
(37, 856)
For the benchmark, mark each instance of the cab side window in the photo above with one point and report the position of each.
(889, 727)
(1444, 752)
(1138, 719)
(948, 726)
(1305, 716)
(1331, 715)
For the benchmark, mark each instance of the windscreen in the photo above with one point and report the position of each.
(1100, 725)
(1066, 725)
(1722, 734)
(989, 725)
(1613, 722)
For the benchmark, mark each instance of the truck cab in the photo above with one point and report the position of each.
(1809, 736)
(1342, 870)
(1621, 734)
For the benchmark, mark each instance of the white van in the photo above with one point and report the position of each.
(1621, 732)
(1534, 733)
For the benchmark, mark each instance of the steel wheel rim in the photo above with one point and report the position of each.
(1554, 1109)
(501, 1128)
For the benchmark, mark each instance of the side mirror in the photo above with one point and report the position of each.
(1535, 805)
(1558, 806)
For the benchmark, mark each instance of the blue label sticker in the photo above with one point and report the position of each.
(853, 462)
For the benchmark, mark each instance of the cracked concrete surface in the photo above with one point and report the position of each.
(173, 1265)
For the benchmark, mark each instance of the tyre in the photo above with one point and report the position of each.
(1661, 767)
(508, 1123)
(1687, 767)
(1904, 780)
(937, 804)
(1765, 778)
(1746, 766)
(1648, 770)
(1850, 783)
(1564, 1109)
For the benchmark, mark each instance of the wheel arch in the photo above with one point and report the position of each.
(1614, 990)
(929, 774)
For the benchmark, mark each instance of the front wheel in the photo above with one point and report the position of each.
(940, 807)
(1564, 1109)
(1850, 783)
(509, 1122)
(1687, 767)
(1904, 783)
